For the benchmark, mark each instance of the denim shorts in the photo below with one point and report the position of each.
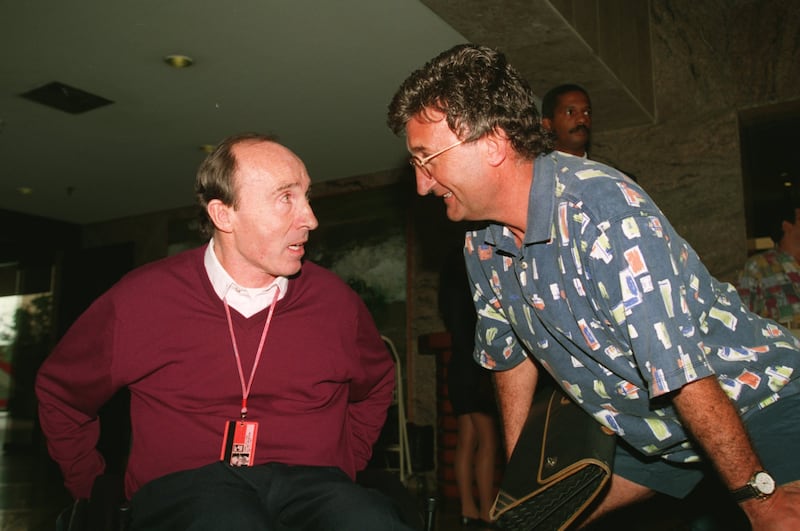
(774, 432)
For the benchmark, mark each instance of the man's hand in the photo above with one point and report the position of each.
(781, 511)
(710, 416)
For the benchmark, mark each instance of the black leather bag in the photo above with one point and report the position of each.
(560, 464)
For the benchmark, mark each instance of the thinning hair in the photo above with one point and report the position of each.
(215, 176)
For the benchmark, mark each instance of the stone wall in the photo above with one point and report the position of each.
(711, 60)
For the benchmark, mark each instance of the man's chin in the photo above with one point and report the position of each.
(455, 214)
(293, 267)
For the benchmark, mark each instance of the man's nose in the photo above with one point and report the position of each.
(309, 220)
(424, 183)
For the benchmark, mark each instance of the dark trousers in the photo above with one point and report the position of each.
(270, 497)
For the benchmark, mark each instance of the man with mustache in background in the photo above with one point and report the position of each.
(567, 113)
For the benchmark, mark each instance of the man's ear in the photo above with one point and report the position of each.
(547, 123)
(498, 147)
(219, 214)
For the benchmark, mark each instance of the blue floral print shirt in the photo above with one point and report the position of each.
(618, 307)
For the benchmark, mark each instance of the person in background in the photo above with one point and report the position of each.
(469, 388)
(770, 281)
(567, 113)
(580, 275)
(258, 381)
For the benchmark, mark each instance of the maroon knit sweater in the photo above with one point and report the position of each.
(320, 393)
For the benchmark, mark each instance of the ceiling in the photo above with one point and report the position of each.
(317, 74)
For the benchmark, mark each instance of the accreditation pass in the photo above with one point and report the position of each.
(239, 443)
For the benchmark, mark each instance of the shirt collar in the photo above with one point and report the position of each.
(584, 156)
(541, 203)
(247, 301)
(542, 200)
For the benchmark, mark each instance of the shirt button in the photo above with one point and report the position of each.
(524, 265)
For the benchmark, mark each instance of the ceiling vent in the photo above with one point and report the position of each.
(65, 98)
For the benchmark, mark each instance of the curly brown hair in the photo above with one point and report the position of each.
(479, 92)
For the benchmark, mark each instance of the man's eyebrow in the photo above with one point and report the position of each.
(286, 186)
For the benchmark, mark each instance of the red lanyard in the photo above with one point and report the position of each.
(246, 388)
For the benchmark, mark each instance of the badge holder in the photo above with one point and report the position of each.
(239, 437)
(239, 442)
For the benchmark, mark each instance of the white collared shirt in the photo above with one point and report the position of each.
(246, 301)
(584, 156)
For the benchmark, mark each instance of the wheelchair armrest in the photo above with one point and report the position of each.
(107, 508)
(74, 517)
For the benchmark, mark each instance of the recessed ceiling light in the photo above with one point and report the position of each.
(207, 148)
(178, 60)
(25, 190)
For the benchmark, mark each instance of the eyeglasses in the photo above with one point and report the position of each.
(421, 164)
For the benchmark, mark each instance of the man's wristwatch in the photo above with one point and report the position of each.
(760, 486)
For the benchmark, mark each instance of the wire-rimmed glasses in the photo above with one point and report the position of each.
(421, 164)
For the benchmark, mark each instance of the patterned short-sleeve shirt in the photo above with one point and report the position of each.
(618, 307)
(770, 285)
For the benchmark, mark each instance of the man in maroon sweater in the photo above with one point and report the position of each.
(258, 382)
